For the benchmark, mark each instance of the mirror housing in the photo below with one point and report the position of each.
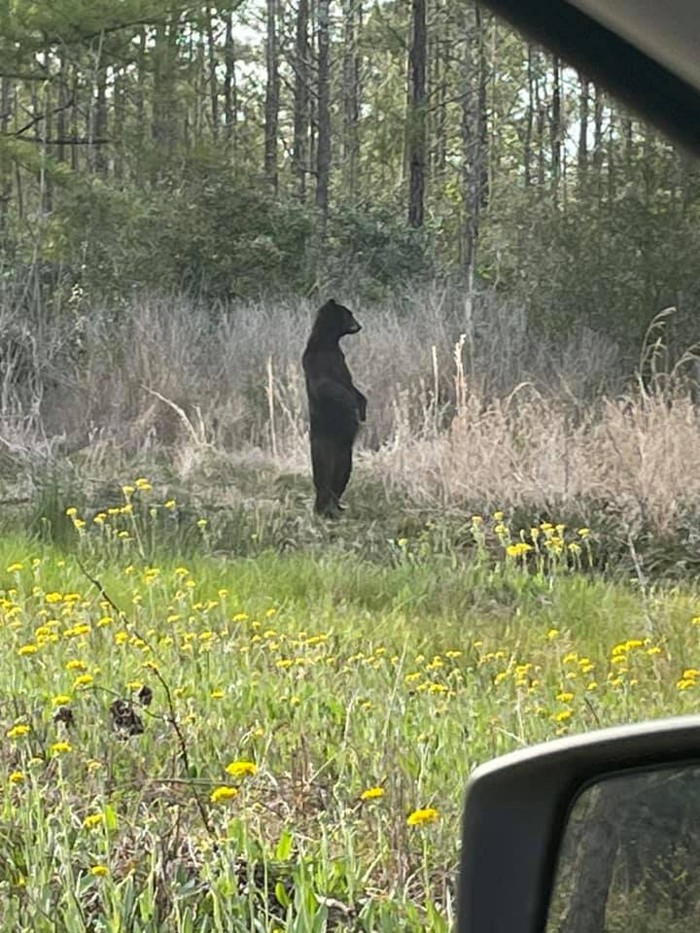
(516, 810)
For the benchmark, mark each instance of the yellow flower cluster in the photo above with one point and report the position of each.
(547, 543)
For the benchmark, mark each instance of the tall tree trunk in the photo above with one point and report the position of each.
(584, 98)
(597, 159)
(612, 151)
(313, 94)
(441, 78)
(119, 107)
(482, 126)
(272, 95)
(529, 119)
(555, 127)
(352, 11)
(61, 116)
(165, 125)
(40, 113)
(74, 119)
(432, 116)
(416, 129)
(540, 122)
(230, 94)
(213, 82)
(139, 96)
(47, 132)
(474, 136)
(5, 161)
(300, 153)
(195, 119)
(101, 154)
(324, 111)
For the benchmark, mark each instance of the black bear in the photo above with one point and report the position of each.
(336, 407)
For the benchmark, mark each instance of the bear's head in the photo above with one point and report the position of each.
(335, 321)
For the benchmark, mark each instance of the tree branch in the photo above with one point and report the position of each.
(41, 116)
(63, 140)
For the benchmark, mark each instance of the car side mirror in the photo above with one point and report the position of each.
(586, 834)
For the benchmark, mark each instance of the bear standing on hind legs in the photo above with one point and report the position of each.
(336, 407)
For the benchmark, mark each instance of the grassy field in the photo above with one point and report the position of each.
(281, 742)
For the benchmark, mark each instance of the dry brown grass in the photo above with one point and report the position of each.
(465, 405)
(638, 454)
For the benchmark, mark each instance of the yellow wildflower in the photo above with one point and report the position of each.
(223, 794)
(423, 816)
(84, 680)
(16, 732)
(93, 820)
(239, 769)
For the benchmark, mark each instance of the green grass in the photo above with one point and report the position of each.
(333, 675)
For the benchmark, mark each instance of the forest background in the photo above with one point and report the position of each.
(181, 185)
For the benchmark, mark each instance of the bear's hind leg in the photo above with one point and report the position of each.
(323, 466)
(342, 469)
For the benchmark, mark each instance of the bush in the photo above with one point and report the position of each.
(375, 248)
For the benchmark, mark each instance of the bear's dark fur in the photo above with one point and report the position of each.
(336, 407)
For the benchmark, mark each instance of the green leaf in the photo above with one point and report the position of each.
(284, 846)
(281, 895)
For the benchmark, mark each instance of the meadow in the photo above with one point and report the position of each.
(220, 713)
(281, 741)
